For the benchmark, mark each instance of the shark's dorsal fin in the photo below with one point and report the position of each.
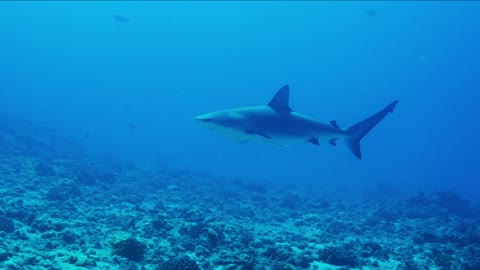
(280, 101)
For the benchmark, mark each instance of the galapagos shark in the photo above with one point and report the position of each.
(277, 123)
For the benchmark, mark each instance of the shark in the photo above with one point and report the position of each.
(277, 123)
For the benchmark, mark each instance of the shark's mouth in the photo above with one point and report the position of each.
(221, 122)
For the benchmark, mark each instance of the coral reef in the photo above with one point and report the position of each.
(6, 225)
(61, 210)
(130, 248)
(180, 263)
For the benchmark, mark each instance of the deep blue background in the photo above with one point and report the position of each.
(73, 67)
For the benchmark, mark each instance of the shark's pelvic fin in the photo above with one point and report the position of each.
(314, 141)
(360, 129)
(279, 102)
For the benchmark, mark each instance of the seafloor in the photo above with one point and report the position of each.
(61, 210)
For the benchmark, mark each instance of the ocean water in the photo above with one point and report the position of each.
(74, 67)
(125, 80)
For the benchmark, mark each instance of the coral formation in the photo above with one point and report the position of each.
(130, 248)
(6, 225)
(180, 263)
(61, 210)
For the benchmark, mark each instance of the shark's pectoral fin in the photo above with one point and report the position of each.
(259, 134)
(333, 141)
(314, 141)
(263, 137)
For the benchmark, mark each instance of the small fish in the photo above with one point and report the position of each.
(371, 12)
(121, 18)
(132, 126)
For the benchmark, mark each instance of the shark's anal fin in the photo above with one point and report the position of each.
(334, 124)
(333, 141)
(279, 102)
(314, 141)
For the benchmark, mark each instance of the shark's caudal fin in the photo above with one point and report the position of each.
(360, 129)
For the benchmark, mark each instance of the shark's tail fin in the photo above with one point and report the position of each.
(360, 129)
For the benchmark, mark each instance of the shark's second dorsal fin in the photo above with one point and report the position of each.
(280, 101)
(334, 124)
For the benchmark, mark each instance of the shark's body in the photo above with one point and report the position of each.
(277, 123)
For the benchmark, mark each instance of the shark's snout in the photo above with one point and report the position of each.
(203, 118)
(206, 120)
(215, 119)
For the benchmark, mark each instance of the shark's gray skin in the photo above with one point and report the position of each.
(277, 123)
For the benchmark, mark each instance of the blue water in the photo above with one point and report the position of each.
(129, 90)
